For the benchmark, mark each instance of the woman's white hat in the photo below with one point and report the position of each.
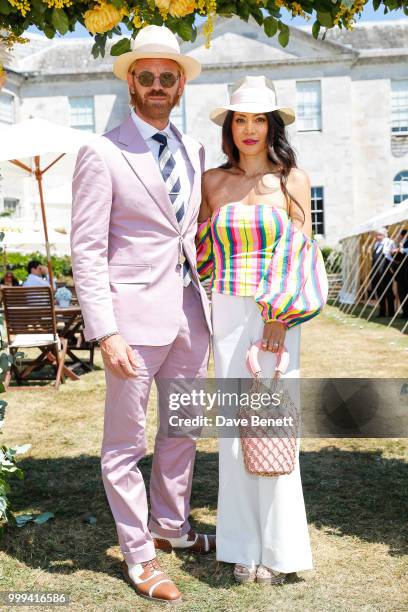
(253, 94)
(156, 41)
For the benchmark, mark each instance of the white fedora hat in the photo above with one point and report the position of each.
(156, 41)
(253, 94)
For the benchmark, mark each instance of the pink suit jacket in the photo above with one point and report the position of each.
(126, 241)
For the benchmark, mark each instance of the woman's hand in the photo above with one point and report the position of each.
(273, 336)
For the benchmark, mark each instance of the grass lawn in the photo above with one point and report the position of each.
(355, 493)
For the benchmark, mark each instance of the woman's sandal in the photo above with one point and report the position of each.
(244, 573)
(266, 575)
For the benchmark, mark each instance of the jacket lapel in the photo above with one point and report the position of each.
(140, 159)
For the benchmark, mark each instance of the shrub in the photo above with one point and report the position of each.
(18, 264)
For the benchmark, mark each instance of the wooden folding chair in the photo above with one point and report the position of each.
(30, 323)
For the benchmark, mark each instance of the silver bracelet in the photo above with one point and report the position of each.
(99, 340)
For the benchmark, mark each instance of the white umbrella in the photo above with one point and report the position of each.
(34, 138)
(28, 240)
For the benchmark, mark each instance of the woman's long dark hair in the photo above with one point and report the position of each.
(279, 150)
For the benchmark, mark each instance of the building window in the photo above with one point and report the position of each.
(7, 108)
(178, 116)
(399, 107)
(82, 113)
(400, 185)
(309, 106)
(11, 206)
(317, 210)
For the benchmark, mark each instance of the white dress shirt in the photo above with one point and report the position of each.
(183, 165)
(33, 280)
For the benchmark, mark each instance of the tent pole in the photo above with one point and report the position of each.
(38, 176)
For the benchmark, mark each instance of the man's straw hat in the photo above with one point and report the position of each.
(156, 42)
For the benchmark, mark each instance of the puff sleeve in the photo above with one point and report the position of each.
(204, 246)
(294, 287)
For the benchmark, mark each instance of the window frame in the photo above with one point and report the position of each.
(399, 132)
(402, 173)
(8, 94)
(315, 201)
(298, 84)
(86, 127)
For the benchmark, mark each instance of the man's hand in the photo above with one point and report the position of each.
(118, 357)
(273, 336)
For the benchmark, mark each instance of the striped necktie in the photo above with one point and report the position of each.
(167, 165)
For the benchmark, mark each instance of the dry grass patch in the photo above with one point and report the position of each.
(355, 493)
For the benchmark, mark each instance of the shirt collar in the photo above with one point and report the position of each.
(146, 130)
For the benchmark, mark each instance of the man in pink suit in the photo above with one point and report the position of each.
(136, 195)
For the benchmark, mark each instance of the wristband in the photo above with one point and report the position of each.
(99, 340)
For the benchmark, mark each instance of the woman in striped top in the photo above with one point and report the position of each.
(267, 275)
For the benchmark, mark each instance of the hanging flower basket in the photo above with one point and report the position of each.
(106, 18)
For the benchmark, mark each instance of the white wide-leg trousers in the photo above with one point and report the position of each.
(260, 519)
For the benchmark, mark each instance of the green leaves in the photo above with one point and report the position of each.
(49, 31)
(257, 15)
(325, 19)
(60, 21)
(5, 7)
(270, 26)
(122, 46)
(316, 29)
(185, 30)
(8, 470)
(283, 37)
(39, 6)
(228, 9)
(99, 47)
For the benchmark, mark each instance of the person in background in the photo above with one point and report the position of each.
(9, 280)
(401, 266)
(382, 258)
(37, 275)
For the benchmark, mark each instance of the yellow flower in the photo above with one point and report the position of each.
(58, 4)
(3, 75)
(175, 8)
(137, 22)
(22, 5)
(103, 17)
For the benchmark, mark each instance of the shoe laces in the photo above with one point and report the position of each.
(152, 565)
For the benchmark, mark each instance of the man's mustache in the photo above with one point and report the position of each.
(162, 94)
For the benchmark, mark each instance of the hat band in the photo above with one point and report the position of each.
(254, 96)
(155, 48)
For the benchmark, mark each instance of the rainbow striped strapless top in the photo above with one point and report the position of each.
(256, 250)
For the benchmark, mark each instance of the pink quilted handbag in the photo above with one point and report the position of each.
(266, 453)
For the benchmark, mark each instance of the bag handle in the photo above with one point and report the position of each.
(252, 361)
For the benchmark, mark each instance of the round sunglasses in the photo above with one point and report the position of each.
(147, 78)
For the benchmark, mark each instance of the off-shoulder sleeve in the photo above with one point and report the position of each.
(294, 287)
(204, 246)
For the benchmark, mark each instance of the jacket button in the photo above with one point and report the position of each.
(178, 267)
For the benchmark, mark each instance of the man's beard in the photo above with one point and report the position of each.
(153, 109)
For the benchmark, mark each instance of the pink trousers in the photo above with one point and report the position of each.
(124, 440)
